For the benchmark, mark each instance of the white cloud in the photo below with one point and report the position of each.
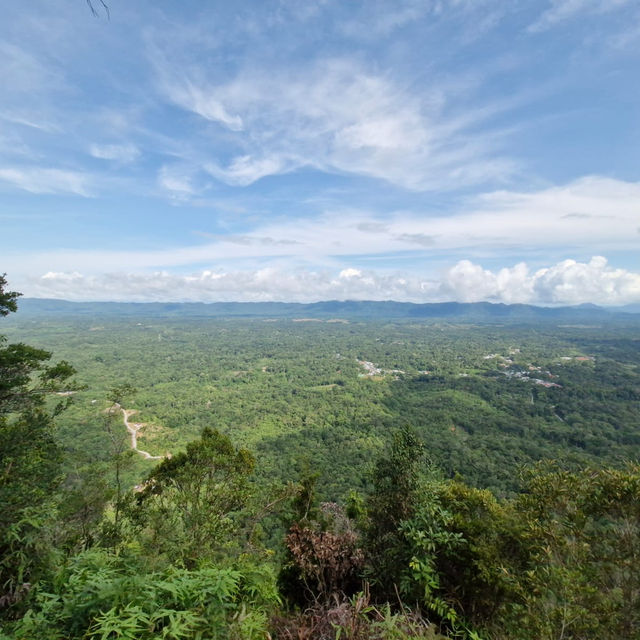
(593, 214)
(123, 153)
(337, 115)
(45, 180)
(468, 282)
(202, 101)
(25, 73)
(574, 282)
(561, 10)
(380, 19)
(62, 277)
(589, 212)
(567, 282)
(177, 180)
(377, 20)
(31, 119)
(245, 170)
(627, 38)
(350, 273)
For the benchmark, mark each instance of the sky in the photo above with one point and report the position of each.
(303, 150)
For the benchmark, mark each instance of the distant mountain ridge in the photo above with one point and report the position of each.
(460, 311)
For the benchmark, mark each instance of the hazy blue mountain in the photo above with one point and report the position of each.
(627, 308)
(453, 311)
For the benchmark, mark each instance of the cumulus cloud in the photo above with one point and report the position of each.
(567, 282)
(265, 284)
(350, 273)
(574, 283)
(469, 282)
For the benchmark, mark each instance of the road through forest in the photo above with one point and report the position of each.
(133, 429)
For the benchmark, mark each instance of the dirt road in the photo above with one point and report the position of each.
(133, 429)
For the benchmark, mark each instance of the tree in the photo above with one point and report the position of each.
(116, 395)
(29, 455)
(190, 498)
(396, 481)
(324, 559)
(121, 454)
(583, 531)
(8, 299)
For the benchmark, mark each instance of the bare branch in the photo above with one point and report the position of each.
(104, 6)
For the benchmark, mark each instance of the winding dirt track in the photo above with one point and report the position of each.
(133, 429)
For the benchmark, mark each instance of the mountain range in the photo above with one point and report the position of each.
(453, 311)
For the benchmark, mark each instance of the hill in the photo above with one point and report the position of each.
(484, 312)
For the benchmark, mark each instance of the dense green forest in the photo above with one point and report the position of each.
(318, 477)
(296, 391)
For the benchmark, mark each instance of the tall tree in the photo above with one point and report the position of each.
(396, 481)
(190, 498)
(29, 455)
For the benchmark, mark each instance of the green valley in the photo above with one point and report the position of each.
(333, 476)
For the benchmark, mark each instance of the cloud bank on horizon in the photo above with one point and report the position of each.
(422, 150)
(566, 283)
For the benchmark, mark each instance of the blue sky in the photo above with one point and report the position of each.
(305, 150)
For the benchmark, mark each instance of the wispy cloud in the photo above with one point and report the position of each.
(46, 180)
(178, 181)
(489, 225)
(30, 119)
(329, 135)
(562, 10)
(244, 170)
(200, 100)
(27, 73)
(123, 153)
(377, 20)
(338, 116)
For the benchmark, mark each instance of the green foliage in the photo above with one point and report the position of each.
(481, 576)
(190, 501)
(29, 473)
(304, 507)
(27, 555)
(413, 546)
(393, 500)
(30, 460)
(559, 560)
(100, 595)
(428, 536)
(483, 554)
(8, 299)
(583, 531)
(292, 391)
(84, 496)
(121, 392)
